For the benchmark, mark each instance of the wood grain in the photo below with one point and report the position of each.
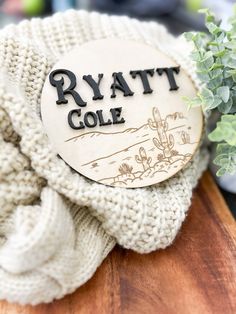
(197, 274)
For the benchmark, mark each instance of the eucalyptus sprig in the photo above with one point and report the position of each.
(215, 57)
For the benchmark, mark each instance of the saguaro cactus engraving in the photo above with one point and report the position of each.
(185, 137)
(163, 141)
(143, 159)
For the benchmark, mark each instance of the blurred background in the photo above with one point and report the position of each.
(178, 16)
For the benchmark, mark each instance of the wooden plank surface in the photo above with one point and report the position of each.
(197, 274)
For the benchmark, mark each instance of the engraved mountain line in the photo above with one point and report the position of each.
(129, 130)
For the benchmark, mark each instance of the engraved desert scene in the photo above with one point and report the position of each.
(151, 152)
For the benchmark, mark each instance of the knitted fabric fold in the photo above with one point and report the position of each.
(56, 226)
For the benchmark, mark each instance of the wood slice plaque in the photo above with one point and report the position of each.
(114, 111)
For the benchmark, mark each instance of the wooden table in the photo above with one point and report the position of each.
(197, 274)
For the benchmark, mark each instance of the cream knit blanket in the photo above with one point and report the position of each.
(56, 226)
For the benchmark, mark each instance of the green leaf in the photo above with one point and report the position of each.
(214, 83)
(203, 76)
(209, 103)
(189, 36)
(231, 73)
(198, 39)
(229, 82)
(217, 102)
(223, 93)
(216, 66)
(230, 44)
(204, 65)
(207, 96)
(225, 58)
(207, 60)
(195, 56)
(225, 130)
(228, 118)
(215, 73)
(231, 63)
(192, 102)
(225, 159)
(209, 16)
(213, 28)
(220, 39)
(213, 43)
(226, 107)
(219, 53)
(221, 171)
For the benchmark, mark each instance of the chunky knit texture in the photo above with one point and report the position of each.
(56, 226)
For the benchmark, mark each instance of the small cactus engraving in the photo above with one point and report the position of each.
(185, 138)
(143, 159)
(163, 141)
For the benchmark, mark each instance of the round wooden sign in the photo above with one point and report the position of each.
(114, 111)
